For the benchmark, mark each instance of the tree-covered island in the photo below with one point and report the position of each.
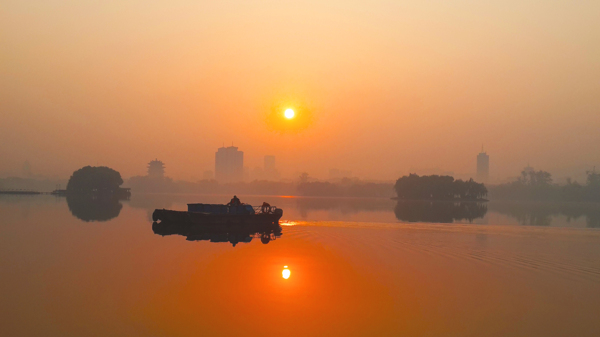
(96, 181)
(434, 187)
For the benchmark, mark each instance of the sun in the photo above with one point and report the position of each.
(288, 117)
(289, 113)
(285, 273)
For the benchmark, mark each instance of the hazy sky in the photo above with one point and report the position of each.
(391, 85)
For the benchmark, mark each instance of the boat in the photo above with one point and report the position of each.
(218, 214)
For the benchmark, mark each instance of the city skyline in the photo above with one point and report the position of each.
(385, 90)
(481, 172)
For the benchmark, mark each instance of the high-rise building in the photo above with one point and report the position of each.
(483, 167)
(156, 169)
(269, 163)
(270, 170)
(229, 165)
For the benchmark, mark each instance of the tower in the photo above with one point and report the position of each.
(483, 167)
(156, 169)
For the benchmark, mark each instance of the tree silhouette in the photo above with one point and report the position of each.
(537, 185)
(436, 187)
(99, 180)
(593, 178)
(535, 178)
(303, 178)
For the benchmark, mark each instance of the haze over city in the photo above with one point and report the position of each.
(391, 87)
(300, 168)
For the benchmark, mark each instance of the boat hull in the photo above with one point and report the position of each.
(233, 234)
(165, 215)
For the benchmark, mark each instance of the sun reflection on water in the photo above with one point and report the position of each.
(288, 223)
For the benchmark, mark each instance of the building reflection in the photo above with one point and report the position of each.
(219, 233)
(94, 208)
(439, 211)
(529, 213)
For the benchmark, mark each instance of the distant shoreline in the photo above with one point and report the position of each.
(441, 200)
(22, 192)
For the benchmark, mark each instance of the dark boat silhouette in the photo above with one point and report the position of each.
(218, 214)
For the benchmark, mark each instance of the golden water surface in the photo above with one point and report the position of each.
(61, 276)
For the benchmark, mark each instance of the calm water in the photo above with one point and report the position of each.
(359, 267)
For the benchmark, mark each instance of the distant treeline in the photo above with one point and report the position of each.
(31, 184)
(538, 185)
(344, 188)
(434, 187)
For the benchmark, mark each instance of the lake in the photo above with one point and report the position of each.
(357, 267)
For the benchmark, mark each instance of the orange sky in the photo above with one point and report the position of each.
(392, 85)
